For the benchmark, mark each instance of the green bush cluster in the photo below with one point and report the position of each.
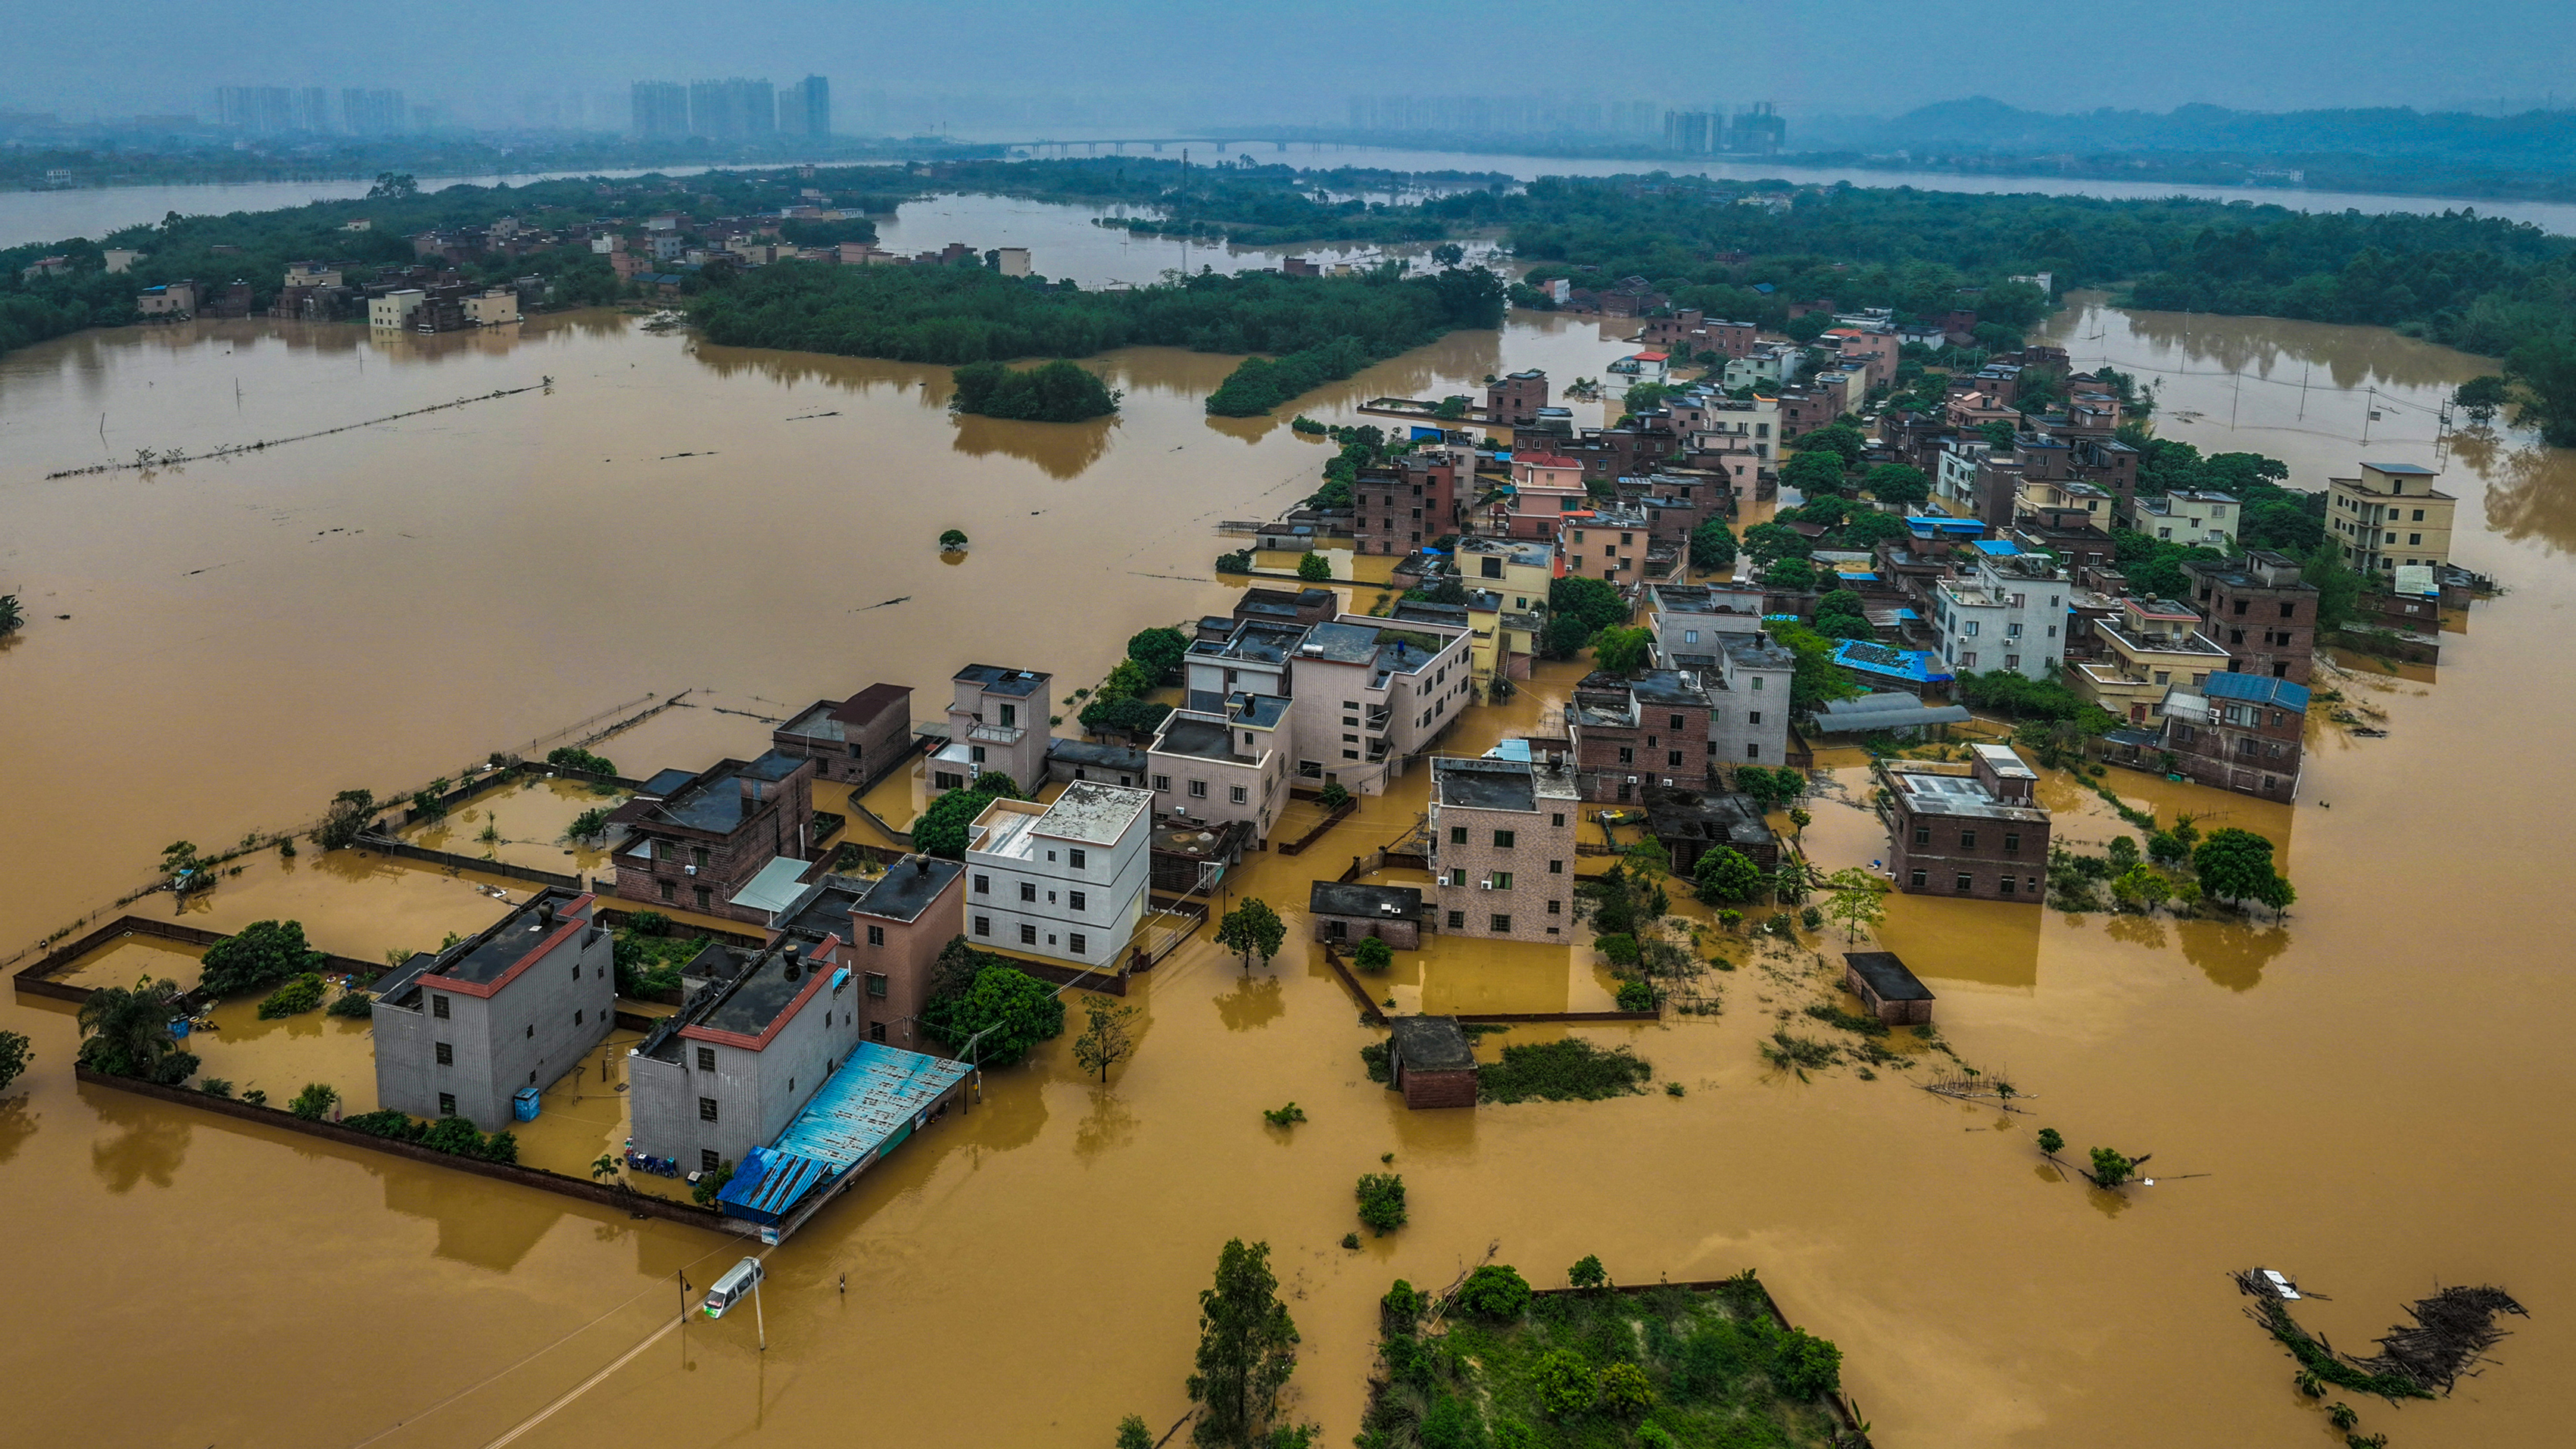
(571, 758)
(1567, 1070)
(297, 996)
(455, 1136)
(1054, 392)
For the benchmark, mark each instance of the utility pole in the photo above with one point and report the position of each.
(759, 1319)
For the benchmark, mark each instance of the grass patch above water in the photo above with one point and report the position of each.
(1571, 1070)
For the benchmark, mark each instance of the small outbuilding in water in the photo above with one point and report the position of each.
(1886, 989)
(1429, 1061)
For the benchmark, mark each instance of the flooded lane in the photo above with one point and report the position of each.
(2367, 1086)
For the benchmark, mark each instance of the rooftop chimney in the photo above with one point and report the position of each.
(921, 865)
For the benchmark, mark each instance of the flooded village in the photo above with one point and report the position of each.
(655, 669)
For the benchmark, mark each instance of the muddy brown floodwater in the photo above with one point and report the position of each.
(2373, 1090)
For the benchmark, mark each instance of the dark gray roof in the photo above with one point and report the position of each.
(824, 908)
(1335, 898)
(1887, 977)
(773, 766)
(764, 991)
(997, 680)
(1886, 710)
(1083, 752)
(1711, 817)
(1204, 739)
(908, 888)
(1484, 784)
(488, 957)
(1343, 643)
(665, 783)
(1427, 613)
(1431, 1044)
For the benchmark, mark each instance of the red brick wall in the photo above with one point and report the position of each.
(1440, 1089)
(1985, 863)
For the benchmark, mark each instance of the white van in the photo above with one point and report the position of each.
(733, 1287)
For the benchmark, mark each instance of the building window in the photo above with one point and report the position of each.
(1077, 941)
(1457, 835)
(1502, 925)
(1753, 752)
(983, 885)
(705, 897)
(1457, 920)
(1503, 839)
(1967, 840)
(1458, 875)
(1162, 782)
(446, 1055)
(1075, 858)
(706, 1109)
(576, 1020)
(983, 925)
(1028, 891)
(531, 1031)
(876, 1031)
(1922, 879)
(706, 1059)
(447, 1104)
(1673, 758)
(1967, 882)
(2006, 885)
(876, 935)
(2012, 842)
(1923, 835)
(877, 984)
(707, 1155)
(438, 1006)
(1028, 934)
(698, 856)
(1198, 789)
(1234, 794)
(1501, 880)
(1556, 908)
(669, 892)
(1079, 900)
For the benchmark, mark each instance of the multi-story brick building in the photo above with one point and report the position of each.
(997, 720)
(895, 926)
(1399, 509)
(1980, 835)
(1502, 847)
(854, 741)
(1688, 332)
(2260, 611)
(695, 841)
(1515, 400)
(1629, 734)
(1607, 542)
(459, 1032)
(1545, 488)
(2241, 732)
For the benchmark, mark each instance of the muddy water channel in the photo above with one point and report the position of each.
(2371, 1090)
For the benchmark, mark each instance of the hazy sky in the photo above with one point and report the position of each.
(1302, 58)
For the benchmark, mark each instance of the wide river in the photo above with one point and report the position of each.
(2367, 1096)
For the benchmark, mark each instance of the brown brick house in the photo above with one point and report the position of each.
(1632, 733)
(854, 741)
(1429, 1061)
(1399, 509)
(1979, 835)
(1346, 913)
(2260, 611)
(1516, 399)
(896, 926)
(694, 841)
(1886, 989)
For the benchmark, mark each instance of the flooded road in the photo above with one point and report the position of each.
(2369, 1087)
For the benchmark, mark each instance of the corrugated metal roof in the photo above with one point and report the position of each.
(876, 1098)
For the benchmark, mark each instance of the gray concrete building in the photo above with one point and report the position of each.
(457, 1033)
(997, 720)
(729, 1071)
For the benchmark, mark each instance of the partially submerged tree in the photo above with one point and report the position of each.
(1726, 876)
(259, 956)
(2236, 865)
(1252, 929)
(1247, 1350)
(1109, 1039)
(349, 813)
(1859, 900)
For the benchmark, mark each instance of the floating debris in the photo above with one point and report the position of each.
(2268, 1283)
(808, 417)
(2453, 1330)
(905, 599)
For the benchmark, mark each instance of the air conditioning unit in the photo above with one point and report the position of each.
(1632, 779)
(689, 869)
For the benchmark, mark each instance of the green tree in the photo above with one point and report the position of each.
(1333, 796)
(1623, 651)
(1897, 484)
(1563, 1383)
(1789, 576)
(349, 813)
(941, 830)
(2338, 588)
(1448, 254)
(2110, 1169)
(1623, 1390)
(126, 1032)
(1564, 637)
(2050, 1141)
(1814, 475)
(1313, 567)
(1053, 392)
(590, 826)
(1770, 541)
(1252, 929)
(2236, 865)
(393, 186)
(1859, 900)
(1814, 678)
(1726, 876)
(1495, 1291)
(1109, 1039)
(1011, 1010)
(258, 956)
(1804, 1366)
(1247, 1349)
(1712, 545)
(1381, 1198)
(1593, 601)
(1842, 440)
(12, 617)
(318, 1098)
(1588, 1273)
(2545, 369)
(952, 539)
(1158, 650)
(998, 785)
(2482, 398)
(1132, 1434)
(15, 1053)
(1373, 954)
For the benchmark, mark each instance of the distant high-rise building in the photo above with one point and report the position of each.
(1760, 130)
(732, 110)
(805, 108)
(1693, 133)
(661, 108)
(313, 109)
(372, 112)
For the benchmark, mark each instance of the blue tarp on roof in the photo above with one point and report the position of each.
(1997, 546)
(1434, 434)
(873, 1102)
(1918, 666)
(2257, 689)
(1926, 525)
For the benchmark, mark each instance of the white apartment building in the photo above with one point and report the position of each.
(2010, 613)
(2190, 516)
(1064, 881)
(394, 309)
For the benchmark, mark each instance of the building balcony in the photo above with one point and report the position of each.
(990, 734)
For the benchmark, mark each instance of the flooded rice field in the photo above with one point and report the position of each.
(2365, 1094)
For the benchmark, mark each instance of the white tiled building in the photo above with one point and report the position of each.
(1064, 881)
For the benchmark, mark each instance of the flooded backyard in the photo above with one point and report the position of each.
(2365, 1094)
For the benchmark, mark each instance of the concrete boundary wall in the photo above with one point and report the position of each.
(403, 850)
(32, 978)
(596, 1193)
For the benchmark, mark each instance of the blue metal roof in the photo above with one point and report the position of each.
(1925, 525)
(872, 1103)
(2257, 689)
(1911, 664)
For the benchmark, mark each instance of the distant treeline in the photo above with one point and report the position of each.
(165, 160)
(969, 313)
